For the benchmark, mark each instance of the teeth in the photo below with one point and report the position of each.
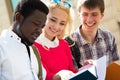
(35, 36)
(90, 24)
(53, 30)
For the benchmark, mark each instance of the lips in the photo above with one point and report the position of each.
(52, 30)
(90, 24)
(35, 36)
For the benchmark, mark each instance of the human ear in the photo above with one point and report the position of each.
(78, 13)
(102, 15)
(19, 17)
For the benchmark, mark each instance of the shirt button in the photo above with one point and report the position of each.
(11, 36)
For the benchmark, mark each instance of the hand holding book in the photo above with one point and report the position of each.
(65, 74)
(95, 71)
(92, 70)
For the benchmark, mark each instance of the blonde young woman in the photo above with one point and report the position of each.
(55, 52)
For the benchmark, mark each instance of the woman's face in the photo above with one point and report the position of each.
(56, 22)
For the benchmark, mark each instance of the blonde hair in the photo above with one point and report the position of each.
(69, 25)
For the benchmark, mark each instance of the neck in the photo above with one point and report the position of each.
(88, 36)
(49, 37)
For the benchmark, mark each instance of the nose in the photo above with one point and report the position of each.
(89, 18)
(39, 31)
(56, 26)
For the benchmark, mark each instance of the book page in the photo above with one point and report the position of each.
(101, 68)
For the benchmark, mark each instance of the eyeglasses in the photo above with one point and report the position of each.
(68, 5)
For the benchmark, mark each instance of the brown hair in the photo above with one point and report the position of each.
(90, 4)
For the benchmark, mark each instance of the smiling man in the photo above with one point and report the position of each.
(93, 41)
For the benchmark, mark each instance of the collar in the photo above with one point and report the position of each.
(99, 36)
(46, 42)
(82, 40)
(9, 34)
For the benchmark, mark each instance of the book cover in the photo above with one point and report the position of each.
(87, 72)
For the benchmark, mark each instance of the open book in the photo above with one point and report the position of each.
(96, 71)
(88, 72)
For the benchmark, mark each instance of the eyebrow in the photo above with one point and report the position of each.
(57, 19)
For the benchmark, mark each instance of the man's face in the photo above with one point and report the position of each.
(32, 26)
(90, 18)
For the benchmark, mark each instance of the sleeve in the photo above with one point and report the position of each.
(114, 50)
(2, 54)
(111, 46)
(44, 73)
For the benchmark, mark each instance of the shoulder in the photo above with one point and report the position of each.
(3, 46)
(70, 40)
(63, 42)
(37, 44)
(3, 41)
(76, 35)
(106, 33)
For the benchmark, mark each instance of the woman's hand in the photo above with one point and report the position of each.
(63, 75)
(56, 77)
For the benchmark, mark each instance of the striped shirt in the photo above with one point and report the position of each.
(104, 44)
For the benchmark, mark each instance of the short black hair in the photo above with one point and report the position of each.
(27, 7)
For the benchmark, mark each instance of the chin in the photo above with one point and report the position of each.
(29, 43)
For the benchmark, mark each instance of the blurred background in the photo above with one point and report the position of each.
(110, 21)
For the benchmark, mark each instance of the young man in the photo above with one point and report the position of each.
(17, 59)
(94, 42)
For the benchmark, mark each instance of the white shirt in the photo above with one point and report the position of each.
(14, 60)
(46, 42)
(43, 73)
